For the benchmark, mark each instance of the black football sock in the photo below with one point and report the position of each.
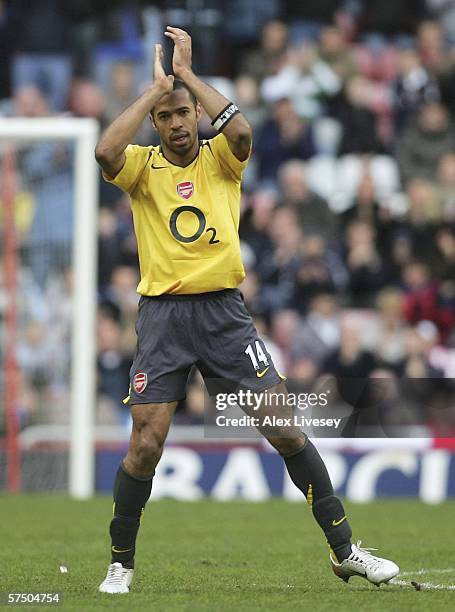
(130, 496)
(309, 474)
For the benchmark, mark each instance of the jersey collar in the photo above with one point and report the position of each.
(176, 165)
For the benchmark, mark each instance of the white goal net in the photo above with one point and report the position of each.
(48, 218)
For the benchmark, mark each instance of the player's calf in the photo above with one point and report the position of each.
(287, 446)
(132, 488)
(309, 473)
(130, 496)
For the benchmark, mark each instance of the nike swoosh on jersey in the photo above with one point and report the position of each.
(158, 167)
(261, 374)
(335, 523)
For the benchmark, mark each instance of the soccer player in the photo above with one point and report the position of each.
(185, 198)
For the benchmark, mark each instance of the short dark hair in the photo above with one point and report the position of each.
(179, 84)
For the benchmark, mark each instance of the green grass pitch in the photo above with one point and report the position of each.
(220, 557)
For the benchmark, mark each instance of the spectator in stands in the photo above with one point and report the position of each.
(412, 87)
(421, 145)
(319, 334)
(255, 221)
(431, 46)
(250, 288)
(284, 328)
(443, 267)
(388, 338)
(352, 109)
(277, 269)
(243, 21)
(313, 213)
(123, 90)
(444, 10)
(320, 270)
(34, 354)
(108, 252)
(352, 365)
(365, 207)
(412, 235)
(118, 39)
(41, 42)
(398, 250)
(335, 51)
(47, 173)
(421, 293)
(113, 365)
(445, 186)
(444, 257)
(7, 43)
(424, 210)
(269, 57)
(284, 136)
(122, 292)
(28, 101)
(446, 80)
(127, 241)
(400, 18)
(306, 79)
(307, 18)
(59, 300)
(349, 360)
(416, 364)
(194, 406)
(86, 99)
(248, 99)
(368, 272)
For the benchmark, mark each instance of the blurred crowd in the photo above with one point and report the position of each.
(348, 209)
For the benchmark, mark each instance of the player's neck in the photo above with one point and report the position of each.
(181, 160)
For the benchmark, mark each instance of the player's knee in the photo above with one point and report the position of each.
(288, 446)
(149, 450)
(145, 450)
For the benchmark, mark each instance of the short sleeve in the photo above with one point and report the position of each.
(226, 158)
(136, 160)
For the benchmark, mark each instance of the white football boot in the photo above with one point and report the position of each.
(118, 579)
(361, 563)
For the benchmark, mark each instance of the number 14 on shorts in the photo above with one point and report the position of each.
(257, 355)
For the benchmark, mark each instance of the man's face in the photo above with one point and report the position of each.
(175, 118)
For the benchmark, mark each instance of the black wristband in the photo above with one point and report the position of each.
(223, 118)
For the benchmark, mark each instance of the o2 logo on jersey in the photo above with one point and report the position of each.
(185, 189)
(200, 229)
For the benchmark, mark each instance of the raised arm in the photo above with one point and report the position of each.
(110, 150)
(237, 130)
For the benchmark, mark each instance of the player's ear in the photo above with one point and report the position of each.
(152, 120)
(198, 111)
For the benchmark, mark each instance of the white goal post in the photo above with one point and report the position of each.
(84, 132)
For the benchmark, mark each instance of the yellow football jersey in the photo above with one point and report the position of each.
(186, 219)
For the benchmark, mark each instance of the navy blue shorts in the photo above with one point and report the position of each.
(212, 331)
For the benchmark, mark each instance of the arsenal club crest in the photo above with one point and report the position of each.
(185, 189)
(140, 381)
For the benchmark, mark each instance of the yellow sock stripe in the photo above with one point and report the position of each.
(309, 495)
